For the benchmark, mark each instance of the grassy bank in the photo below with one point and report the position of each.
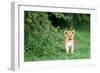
(44, 41)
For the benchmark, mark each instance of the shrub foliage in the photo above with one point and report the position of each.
(44, 38)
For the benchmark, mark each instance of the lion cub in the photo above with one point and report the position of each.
(69, 41)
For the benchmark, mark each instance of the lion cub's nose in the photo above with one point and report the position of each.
(69, 39)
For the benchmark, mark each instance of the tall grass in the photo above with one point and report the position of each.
(43, 41)
(52, 47)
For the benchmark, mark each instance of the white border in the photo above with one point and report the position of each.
(18, 37)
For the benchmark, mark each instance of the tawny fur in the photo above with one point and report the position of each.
(69, 41)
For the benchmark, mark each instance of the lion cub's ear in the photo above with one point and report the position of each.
(73, 32)
(65, 32)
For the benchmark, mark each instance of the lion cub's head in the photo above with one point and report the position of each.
(69, 34)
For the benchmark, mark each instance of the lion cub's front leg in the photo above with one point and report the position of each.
(72, 49)
(67, 49)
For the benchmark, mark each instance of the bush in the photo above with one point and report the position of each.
(44, 38)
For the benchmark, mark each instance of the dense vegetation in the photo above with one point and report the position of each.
(44, 35)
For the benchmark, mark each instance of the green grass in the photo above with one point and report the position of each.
(44, 35)
(52, 47)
